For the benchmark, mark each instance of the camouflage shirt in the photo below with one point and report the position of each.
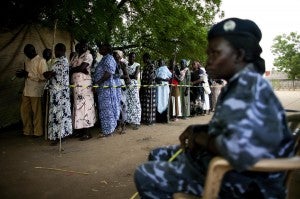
(250, 124)
(249, 121)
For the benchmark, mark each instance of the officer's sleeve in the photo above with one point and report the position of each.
(250, 125)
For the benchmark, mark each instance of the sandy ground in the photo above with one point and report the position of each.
(97, 168)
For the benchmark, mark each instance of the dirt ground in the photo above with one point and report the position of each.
(96, 168)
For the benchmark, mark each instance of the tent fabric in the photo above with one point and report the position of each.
(12, 58)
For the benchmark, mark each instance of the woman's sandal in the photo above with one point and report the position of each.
(135, 127)
(123, 128)
(101, 135)
(54, 142)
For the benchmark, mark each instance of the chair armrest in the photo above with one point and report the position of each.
(219, 166)
(279, 164)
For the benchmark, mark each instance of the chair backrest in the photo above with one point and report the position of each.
(219, 166)
(293, 121)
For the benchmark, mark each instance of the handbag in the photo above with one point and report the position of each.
(206, 88)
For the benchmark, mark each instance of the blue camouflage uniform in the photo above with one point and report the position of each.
(249, 124)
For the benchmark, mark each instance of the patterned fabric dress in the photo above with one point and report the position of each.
(206, 88)
(84, 115)
(60, 119)
(185, 92)
(121, 94)
(246, 104)
(148, 95)
(108, 98)
(133, 98)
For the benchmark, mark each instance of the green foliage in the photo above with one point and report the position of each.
(286, 48)
(165, 28)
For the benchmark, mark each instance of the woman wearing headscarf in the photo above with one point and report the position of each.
(185, 79)
(197, 90)
(132, 93)
(206, 91)
(122, 79)
(247, 114)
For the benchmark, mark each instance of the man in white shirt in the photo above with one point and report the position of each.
(31, 104)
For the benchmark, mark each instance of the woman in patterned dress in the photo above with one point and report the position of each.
(148, 92)
(107, 93)
(84, 115)
(185, 79)
(132, 93)
(121, 79)
(60, 120)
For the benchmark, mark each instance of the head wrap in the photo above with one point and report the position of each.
(184, 62)
(120, 53)
(242, 34)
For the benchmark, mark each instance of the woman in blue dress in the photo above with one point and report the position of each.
(107, 93)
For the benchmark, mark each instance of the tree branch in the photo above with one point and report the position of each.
(126, 47)
(121, 4)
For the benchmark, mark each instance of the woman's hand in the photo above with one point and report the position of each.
(80, 69)
(49, 74)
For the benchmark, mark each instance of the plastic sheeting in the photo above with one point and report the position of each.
(12, 58)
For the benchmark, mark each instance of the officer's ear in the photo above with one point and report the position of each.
(240, 55)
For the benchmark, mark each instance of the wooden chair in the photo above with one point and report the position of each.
(219, 166)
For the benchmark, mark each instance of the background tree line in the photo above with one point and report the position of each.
(286, 48)
(161, 27)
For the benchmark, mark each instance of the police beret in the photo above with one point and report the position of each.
(235, 26)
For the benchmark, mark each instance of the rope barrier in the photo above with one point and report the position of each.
(126, 86)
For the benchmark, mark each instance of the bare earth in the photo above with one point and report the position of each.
(97, 168)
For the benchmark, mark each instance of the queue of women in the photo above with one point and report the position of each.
(115, 91)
